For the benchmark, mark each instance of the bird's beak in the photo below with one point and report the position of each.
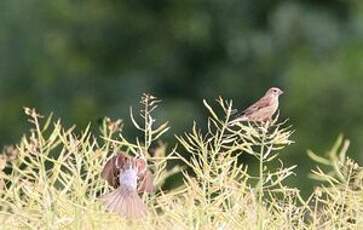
(281, 92)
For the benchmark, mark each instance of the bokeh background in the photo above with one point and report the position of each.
(84, 60)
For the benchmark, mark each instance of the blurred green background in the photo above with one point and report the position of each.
(84, 60)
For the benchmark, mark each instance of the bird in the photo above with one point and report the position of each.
(262, 110)
(129, 176)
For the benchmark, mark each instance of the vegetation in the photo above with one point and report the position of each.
(84, 60)
(51, 179)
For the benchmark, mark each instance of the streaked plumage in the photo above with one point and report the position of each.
(263, 109)
(129, 176)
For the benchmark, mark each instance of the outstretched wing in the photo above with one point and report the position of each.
(146, 182)
(111, 170)
(145, 177)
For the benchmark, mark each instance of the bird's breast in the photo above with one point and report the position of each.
(128, 178)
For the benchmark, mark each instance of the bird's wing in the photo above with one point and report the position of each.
(145, 177)
(146, 182)
(263, 102)
(111, 169)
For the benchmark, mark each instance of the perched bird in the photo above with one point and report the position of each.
(129, 176)
(263, 109)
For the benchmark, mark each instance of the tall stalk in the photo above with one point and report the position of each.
(261, 181)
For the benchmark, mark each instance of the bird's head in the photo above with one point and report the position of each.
(274, 91)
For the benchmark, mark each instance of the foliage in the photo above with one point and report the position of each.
(83, 60)
(51, 179)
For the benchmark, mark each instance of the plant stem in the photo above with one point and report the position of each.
(261, 179)
(146, 120)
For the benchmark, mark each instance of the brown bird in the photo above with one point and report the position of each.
(129, 176)
(263, 109)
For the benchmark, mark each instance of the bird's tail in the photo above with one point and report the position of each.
(237, 120)
(125, 202)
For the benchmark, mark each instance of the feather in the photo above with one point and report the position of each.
(109, 172)
(146, 182)
(263, 102)
(262, 110)
(129, 176)
(125, 202)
